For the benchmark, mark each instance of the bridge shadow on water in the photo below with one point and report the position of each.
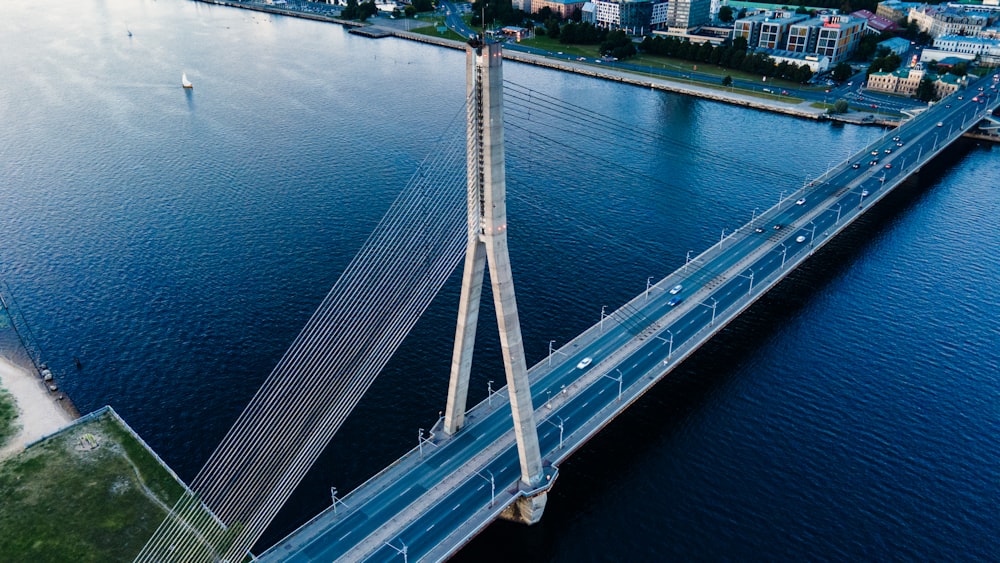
(602, 475)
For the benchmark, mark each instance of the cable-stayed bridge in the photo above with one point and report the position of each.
(499, 458)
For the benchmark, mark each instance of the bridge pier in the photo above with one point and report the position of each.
(526, 510)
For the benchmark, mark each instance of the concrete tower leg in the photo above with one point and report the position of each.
(488, 235)
(465, 335)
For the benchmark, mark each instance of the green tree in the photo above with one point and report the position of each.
(840, 106)
(925, 90)
(736, 59)
(705, 52)
(842, 71)
(961, 69)
(618, 45)
(423, 5)
(727, 80)
(725, 14)
(367, 10)
(552, 28)
(351, 11)
(803, 74)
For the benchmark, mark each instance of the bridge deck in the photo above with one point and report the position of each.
(435, 498)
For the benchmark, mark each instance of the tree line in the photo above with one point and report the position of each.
(734, 56)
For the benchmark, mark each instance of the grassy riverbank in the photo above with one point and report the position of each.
(92, 492)
(8, 417)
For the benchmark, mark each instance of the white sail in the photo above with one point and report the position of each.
(185, 82)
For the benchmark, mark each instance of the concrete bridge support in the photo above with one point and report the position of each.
(487, 246)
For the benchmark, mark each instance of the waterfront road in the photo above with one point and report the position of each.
(439, 495)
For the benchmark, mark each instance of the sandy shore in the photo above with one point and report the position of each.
(39, 413)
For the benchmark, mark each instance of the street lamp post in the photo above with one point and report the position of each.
(551, 342)
(714, 303)
(784, 252)
(648, 280)
(687, 259)
(489, 393)
(560, 433)
(618, 379)
(493, 486)
(781, 197)
(812, 235)
(420, 441)
(750, 291)
(837, 222)
(399, 551)
(335, 500)
(753, 216)
(603, 307)
(560, 427)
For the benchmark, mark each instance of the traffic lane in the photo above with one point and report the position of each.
(469, 498)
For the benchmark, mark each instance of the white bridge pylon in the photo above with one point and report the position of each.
(487, 245)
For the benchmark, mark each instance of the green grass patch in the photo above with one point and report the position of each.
(432, 31)
(82, 495)
(553, 45)
(703, 74)
(8, 417)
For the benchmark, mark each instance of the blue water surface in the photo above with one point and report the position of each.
(176, 241)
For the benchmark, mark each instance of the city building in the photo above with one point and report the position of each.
(633, 16)
(686, 16)
(896, 45)
(562, 9)
(768, 30)
(986, 50)
(658, 18)
(895, 10)
(835, 36)
(875, 25)
(906, 81)
(946, 20)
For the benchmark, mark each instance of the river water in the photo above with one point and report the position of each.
(176, 241)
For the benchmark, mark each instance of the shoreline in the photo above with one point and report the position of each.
(802, 110)
(40, 412)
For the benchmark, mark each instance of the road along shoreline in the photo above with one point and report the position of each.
(801, 110)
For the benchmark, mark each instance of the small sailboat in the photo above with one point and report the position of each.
(185, 82)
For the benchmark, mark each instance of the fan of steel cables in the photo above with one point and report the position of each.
(329, 366)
